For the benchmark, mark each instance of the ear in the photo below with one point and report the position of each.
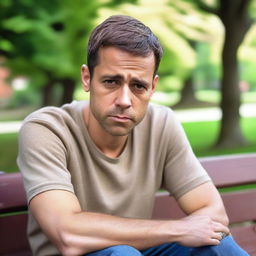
(154, 83)
(85, 77)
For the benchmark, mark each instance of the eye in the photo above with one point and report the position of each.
(139, 87)
(110, 83)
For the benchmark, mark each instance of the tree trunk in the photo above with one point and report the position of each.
(47, 93)
(68, 86)
(187, 94)
(236, 23)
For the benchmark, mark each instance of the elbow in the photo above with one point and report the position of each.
(64, 245)
(68, 244)
(222, 216)
(225, 219)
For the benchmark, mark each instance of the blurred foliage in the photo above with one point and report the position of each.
(27, 97)
(46, 38)
(46, 41)
(175, 23)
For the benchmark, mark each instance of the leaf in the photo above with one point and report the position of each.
(18, 24)
(6, 45)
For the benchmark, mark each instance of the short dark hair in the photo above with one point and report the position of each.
(125, 33)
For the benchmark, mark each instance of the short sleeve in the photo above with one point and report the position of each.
(42, 160)
(182, 171)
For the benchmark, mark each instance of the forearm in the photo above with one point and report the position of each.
(75, 232)
(84, 232)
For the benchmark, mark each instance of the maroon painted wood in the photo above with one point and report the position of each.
(233, 170)
(14, 240)
(240, 205)
(12, 193)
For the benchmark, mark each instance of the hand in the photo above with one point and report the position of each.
(195, 231)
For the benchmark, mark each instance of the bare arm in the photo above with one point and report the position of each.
(204, 200)
(202, 204)
(76, 232)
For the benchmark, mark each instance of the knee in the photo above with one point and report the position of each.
(124, 250)
(227, 247)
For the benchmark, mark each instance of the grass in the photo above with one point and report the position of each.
(8, 152)
(202, 136)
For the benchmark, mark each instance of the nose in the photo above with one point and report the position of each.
(123, 97)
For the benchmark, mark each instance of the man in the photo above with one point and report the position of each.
(91, 169)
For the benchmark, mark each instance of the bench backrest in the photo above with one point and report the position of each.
(225, 172)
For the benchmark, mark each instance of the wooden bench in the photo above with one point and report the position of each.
(226, 172)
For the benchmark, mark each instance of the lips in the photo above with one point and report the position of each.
(121, 118)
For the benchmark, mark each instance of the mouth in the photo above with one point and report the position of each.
(121, 118)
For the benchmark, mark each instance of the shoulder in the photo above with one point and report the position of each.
(51, 112)
(52, 123)
(55, 116)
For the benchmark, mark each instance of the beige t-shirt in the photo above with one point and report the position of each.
(56, 152)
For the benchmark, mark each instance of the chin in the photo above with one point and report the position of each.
(119, 132)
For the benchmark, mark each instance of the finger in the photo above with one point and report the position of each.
(214, 241)
(218, 227)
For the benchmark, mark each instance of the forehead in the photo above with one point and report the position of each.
(115, 60)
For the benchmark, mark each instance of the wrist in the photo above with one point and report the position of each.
(172, 231)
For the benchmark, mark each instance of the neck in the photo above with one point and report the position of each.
(111, 146)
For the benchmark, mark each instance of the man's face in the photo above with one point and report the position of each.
(120, 90)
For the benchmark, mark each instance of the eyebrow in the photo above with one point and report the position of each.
(114, 77)
(120, 77)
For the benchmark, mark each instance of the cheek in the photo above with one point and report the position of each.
(100, 104)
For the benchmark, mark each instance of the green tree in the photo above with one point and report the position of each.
(46, 41)
(170, 21)
(236, 17)
(41, 39)
(179, 26)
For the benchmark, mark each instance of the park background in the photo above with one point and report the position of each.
(207, 75)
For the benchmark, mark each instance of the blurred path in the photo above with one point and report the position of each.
(189, 115)
(212, 114)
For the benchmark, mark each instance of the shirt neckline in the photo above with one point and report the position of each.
(91, 143)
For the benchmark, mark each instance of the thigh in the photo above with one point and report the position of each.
(168, 249)
(227, 247)
(118, 250)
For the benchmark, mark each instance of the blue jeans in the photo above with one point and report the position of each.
(227, 247)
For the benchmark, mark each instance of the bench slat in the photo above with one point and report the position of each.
(227, 171)
(246, 238)
(13, 235)
(240, 205)
(12, 193)
(166, 207)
